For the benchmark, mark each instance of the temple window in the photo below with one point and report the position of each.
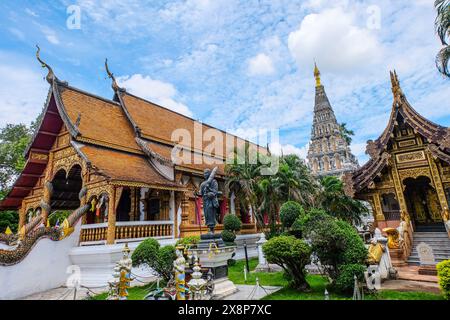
(390, 206)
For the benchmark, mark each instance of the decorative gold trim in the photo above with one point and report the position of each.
(125, 183)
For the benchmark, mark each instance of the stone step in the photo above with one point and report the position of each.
(416, 261)
(443, 234)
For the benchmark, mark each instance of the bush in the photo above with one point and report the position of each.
(191, 241)
(335, 243)
(9, 219)
(292, 255)
(443, 270)
(231, 262)
(58, 216)
(232, 223)
(289, 212)
(149, 253)
(146, 251)
(345, 280)
(228, 236)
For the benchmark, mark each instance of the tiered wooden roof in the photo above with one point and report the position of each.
(123, 139)
(438, 138)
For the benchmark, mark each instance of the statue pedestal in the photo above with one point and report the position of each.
(216, 260)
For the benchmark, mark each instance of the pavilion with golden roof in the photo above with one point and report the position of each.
(407, 179)
(113, 161)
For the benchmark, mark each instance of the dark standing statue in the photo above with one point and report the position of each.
(209, 190)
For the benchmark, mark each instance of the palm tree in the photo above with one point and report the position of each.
(442, 26)
(346, 133)
(338, 204)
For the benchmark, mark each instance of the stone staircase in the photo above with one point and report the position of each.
(438, 240)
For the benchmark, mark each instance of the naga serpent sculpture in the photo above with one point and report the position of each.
(24, 246)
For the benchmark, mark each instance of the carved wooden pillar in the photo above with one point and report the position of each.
(438, 183)
(45, 202)
(133, 206)
(22, 217)
(398, 188)
(111, 233)
(377, 208)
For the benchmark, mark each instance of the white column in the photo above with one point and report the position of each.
(141, 204)
(232, 204)
(172, 206)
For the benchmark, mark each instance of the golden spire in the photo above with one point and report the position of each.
(317, 75)
(114, 85)
(50, 76)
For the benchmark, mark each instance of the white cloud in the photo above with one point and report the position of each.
(50, 35)
(157, 91)
(22, 92)
(277, 149)
(17, 33)
(261, 64)
(333, 39)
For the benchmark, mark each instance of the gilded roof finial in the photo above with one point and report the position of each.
(317, 75)
(114, 85)
(396, 90)
(51, 75)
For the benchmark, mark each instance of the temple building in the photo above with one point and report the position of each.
(407, 180)
(329, 153)
(113, 160)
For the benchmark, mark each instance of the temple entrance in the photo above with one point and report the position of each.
(66, 187)
(422, 201)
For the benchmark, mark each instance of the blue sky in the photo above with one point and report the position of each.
(232, 64)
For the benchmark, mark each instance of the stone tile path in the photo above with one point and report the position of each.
(411, 272)
(408, 285)
(248, 292)
(63, 293)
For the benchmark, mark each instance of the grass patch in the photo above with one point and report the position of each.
(236, 275)
(134, 293)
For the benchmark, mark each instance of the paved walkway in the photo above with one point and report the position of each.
(411, 272)
(408, 285)
(249, 292)
(63, 293)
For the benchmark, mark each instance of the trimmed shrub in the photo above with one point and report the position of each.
(146, 251)
(189, 241)
(443, 272)
(345, 280)
(228, 236)
(164, 261)
(231, 262)
(335, 243)
(232, 223)
(289, 212)
(149, 253)
(292, 255)
(58, 216)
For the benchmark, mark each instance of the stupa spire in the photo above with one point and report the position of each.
(317, 75)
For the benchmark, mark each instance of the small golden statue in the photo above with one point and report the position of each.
(393, 238)
(376, 251)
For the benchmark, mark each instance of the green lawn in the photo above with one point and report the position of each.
(134, 293)
(316, 282)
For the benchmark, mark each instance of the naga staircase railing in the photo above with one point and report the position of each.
(30, 234)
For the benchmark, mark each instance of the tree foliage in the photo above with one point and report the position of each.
(265, 194)
(292, 255)
(442, 26)
(335, 243)
(334, 200)
(289, 212)
(149, 253)
(346, 133)
(13, 141)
